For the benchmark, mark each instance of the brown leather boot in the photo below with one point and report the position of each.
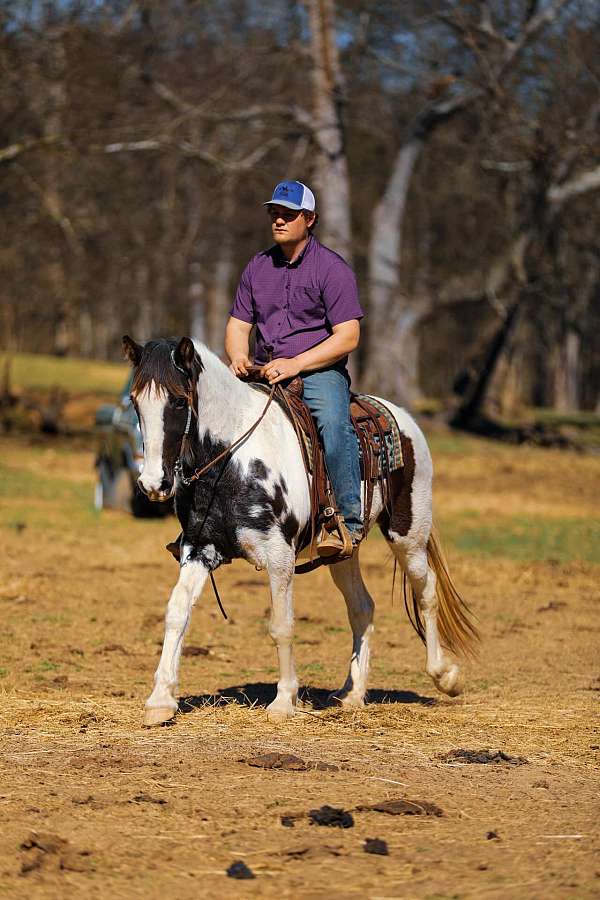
(336, 544)
(175, 547)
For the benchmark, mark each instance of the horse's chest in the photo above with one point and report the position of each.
(225, 503)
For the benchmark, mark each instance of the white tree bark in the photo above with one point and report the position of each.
(567, 373)
(332, 183)
(197, 303)
(391, 366)
(395, 369)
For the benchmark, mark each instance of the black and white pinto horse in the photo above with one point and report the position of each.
(254, 504)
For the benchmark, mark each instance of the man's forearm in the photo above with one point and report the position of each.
(237, 343)
(330, 351)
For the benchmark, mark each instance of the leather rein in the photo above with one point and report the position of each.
(189, 479)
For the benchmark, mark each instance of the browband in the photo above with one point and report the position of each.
(183, 372)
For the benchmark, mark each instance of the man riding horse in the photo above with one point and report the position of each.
(303, 299)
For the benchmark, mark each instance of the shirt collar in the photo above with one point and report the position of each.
(308, 246)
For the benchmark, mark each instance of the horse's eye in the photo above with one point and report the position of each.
(179, 403)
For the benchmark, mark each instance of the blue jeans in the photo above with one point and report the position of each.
(327, 395)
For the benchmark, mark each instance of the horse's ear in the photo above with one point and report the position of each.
(187, 357)
(132, 350)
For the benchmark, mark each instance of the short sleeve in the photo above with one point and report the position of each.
(340, 293)
(242, 303)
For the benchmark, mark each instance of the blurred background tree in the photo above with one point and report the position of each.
(453, 147)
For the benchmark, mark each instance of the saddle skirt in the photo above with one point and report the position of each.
(378, 439)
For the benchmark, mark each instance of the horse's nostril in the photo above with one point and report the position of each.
(165, 486)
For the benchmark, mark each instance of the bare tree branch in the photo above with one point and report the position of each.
(581, 184)
(192, 152)
(14, 150)
(262, 111)
(532, 27)
(48, 201)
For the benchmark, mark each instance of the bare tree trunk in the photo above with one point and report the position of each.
(220, 289)
(567, 372)
(52, 198)
(391, 366)
(86, 333)
(145, 324)
(395, 370)
(164, 260)
(385, 247)
(332, 169)
(470, 410)
(197, 303)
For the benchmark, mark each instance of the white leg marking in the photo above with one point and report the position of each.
(442, 669)
(348, 579)
(281, 572)
(161, 705)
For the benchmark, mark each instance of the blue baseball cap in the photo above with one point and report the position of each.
(294, 195)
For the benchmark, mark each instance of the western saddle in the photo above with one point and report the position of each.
(380, 453)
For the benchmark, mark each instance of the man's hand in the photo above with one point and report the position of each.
(239, 364)
(280, 369)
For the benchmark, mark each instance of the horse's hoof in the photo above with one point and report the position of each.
(451, 682)
(280, 713)
(156, 715)
(347, 700)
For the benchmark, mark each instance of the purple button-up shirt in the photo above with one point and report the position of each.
(295, 305)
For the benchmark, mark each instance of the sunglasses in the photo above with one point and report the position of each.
(288, 215)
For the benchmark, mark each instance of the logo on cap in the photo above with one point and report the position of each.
(294, 195)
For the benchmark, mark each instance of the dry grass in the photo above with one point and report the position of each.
(82, 599)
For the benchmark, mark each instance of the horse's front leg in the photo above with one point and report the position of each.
(162, 704)
(281, 628)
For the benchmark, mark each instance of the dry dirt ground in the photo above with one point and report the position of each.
(119, 811)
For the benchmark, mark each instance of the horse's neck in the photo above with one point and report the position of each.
(226, 406)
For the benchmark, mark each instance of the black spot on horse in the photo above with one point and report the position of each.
(283, 484)
(289, 527)
(223, 500)
(279, 504)
(257, 469)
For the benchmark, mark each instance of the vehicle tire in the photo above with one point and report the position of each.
(117, 490)
(113, 490)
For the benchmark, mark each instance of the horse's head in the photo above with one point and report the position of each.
(164, 387)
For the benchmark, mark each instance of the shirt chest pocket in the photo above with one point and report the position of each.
(307, 304)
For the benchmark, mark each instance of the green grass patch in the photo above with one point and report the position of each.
(50, 502)
(452, 443)
(314, 667)
(577, 419)
(37, 371)
(526, 539)
(47, 666)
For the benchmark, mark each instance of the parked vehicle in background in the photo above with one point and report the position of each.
(120, 458)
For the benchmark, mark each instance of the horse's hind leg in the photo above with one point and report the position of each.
(162, 704)
(281, 629)
(347, 577)
(444, 671)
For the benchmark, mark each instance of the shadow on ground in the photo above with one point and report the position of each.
(261, 694)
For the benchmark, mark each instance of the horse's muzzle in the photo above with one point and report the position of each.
(160, 495)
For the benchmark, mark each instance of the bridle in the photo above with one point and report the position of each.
(186, 480)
